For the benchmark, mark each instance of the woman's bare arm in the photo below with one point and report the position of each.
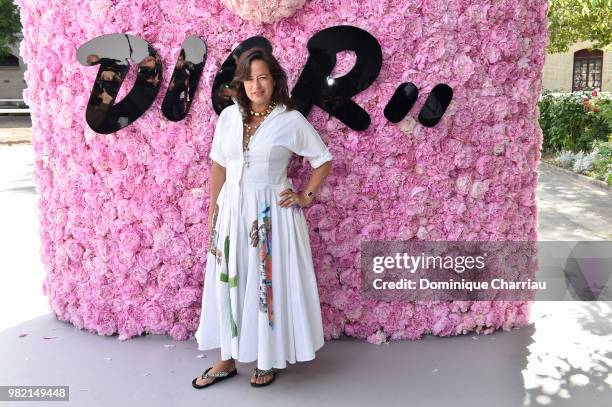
(217, 179)
(317, 177)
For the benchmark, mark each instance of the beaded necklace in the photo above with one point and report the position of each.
(249, 130)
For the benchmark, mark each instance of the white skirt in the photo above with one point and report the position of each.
(260, 299)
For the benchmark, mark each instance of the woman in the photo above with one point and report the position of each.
(260, 299)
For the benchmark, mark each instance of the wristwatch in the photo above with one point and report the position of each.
(311, 195)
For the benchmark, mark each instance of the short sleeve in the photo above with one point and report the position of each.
(308, 143)
(216, 153)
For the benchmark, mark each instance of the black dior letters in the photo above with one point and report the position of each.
(314, 86)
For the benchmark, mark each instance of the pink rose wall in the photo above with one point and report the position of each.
(123, 216)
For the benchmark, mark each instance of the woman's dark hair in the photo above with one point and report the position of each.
(280, 94)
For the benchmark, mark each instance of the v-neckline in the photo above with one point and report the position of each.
(273, 113)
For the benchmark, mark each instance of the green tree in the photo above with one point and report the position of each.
(579, 20)
(10, 25)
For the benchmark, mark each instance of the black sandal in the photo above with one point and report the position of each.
(219, 376)
(259, 372)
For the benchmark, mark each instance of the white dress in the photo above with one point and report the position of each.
(260, 299)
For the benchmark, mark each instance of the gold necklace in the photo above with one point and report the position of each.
(264, 113)
(249, 130)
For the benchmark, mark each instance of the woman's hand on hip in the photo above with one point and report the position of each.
(290, 198)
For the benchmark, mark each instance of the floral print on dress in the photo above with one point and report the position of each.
(232, 283)
(265, 261)
(212, 245)
(254, 234)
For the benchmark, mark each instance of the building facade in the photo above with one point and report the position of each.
(12, 68)
(580, 68)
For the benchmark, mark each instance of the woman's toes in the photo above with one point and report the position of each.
(261, 379)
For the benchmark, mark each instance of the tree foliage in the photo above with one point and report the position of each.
(9, 26)
(579, 20)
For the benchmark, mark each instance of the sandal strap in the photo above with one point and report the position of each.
(259, 372)
(214, 374)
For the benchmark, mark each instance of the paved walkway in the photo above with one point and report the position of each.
(571, 209)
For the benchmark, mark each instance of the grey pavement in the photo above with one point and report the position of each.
(562, 358)
(571, 209)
